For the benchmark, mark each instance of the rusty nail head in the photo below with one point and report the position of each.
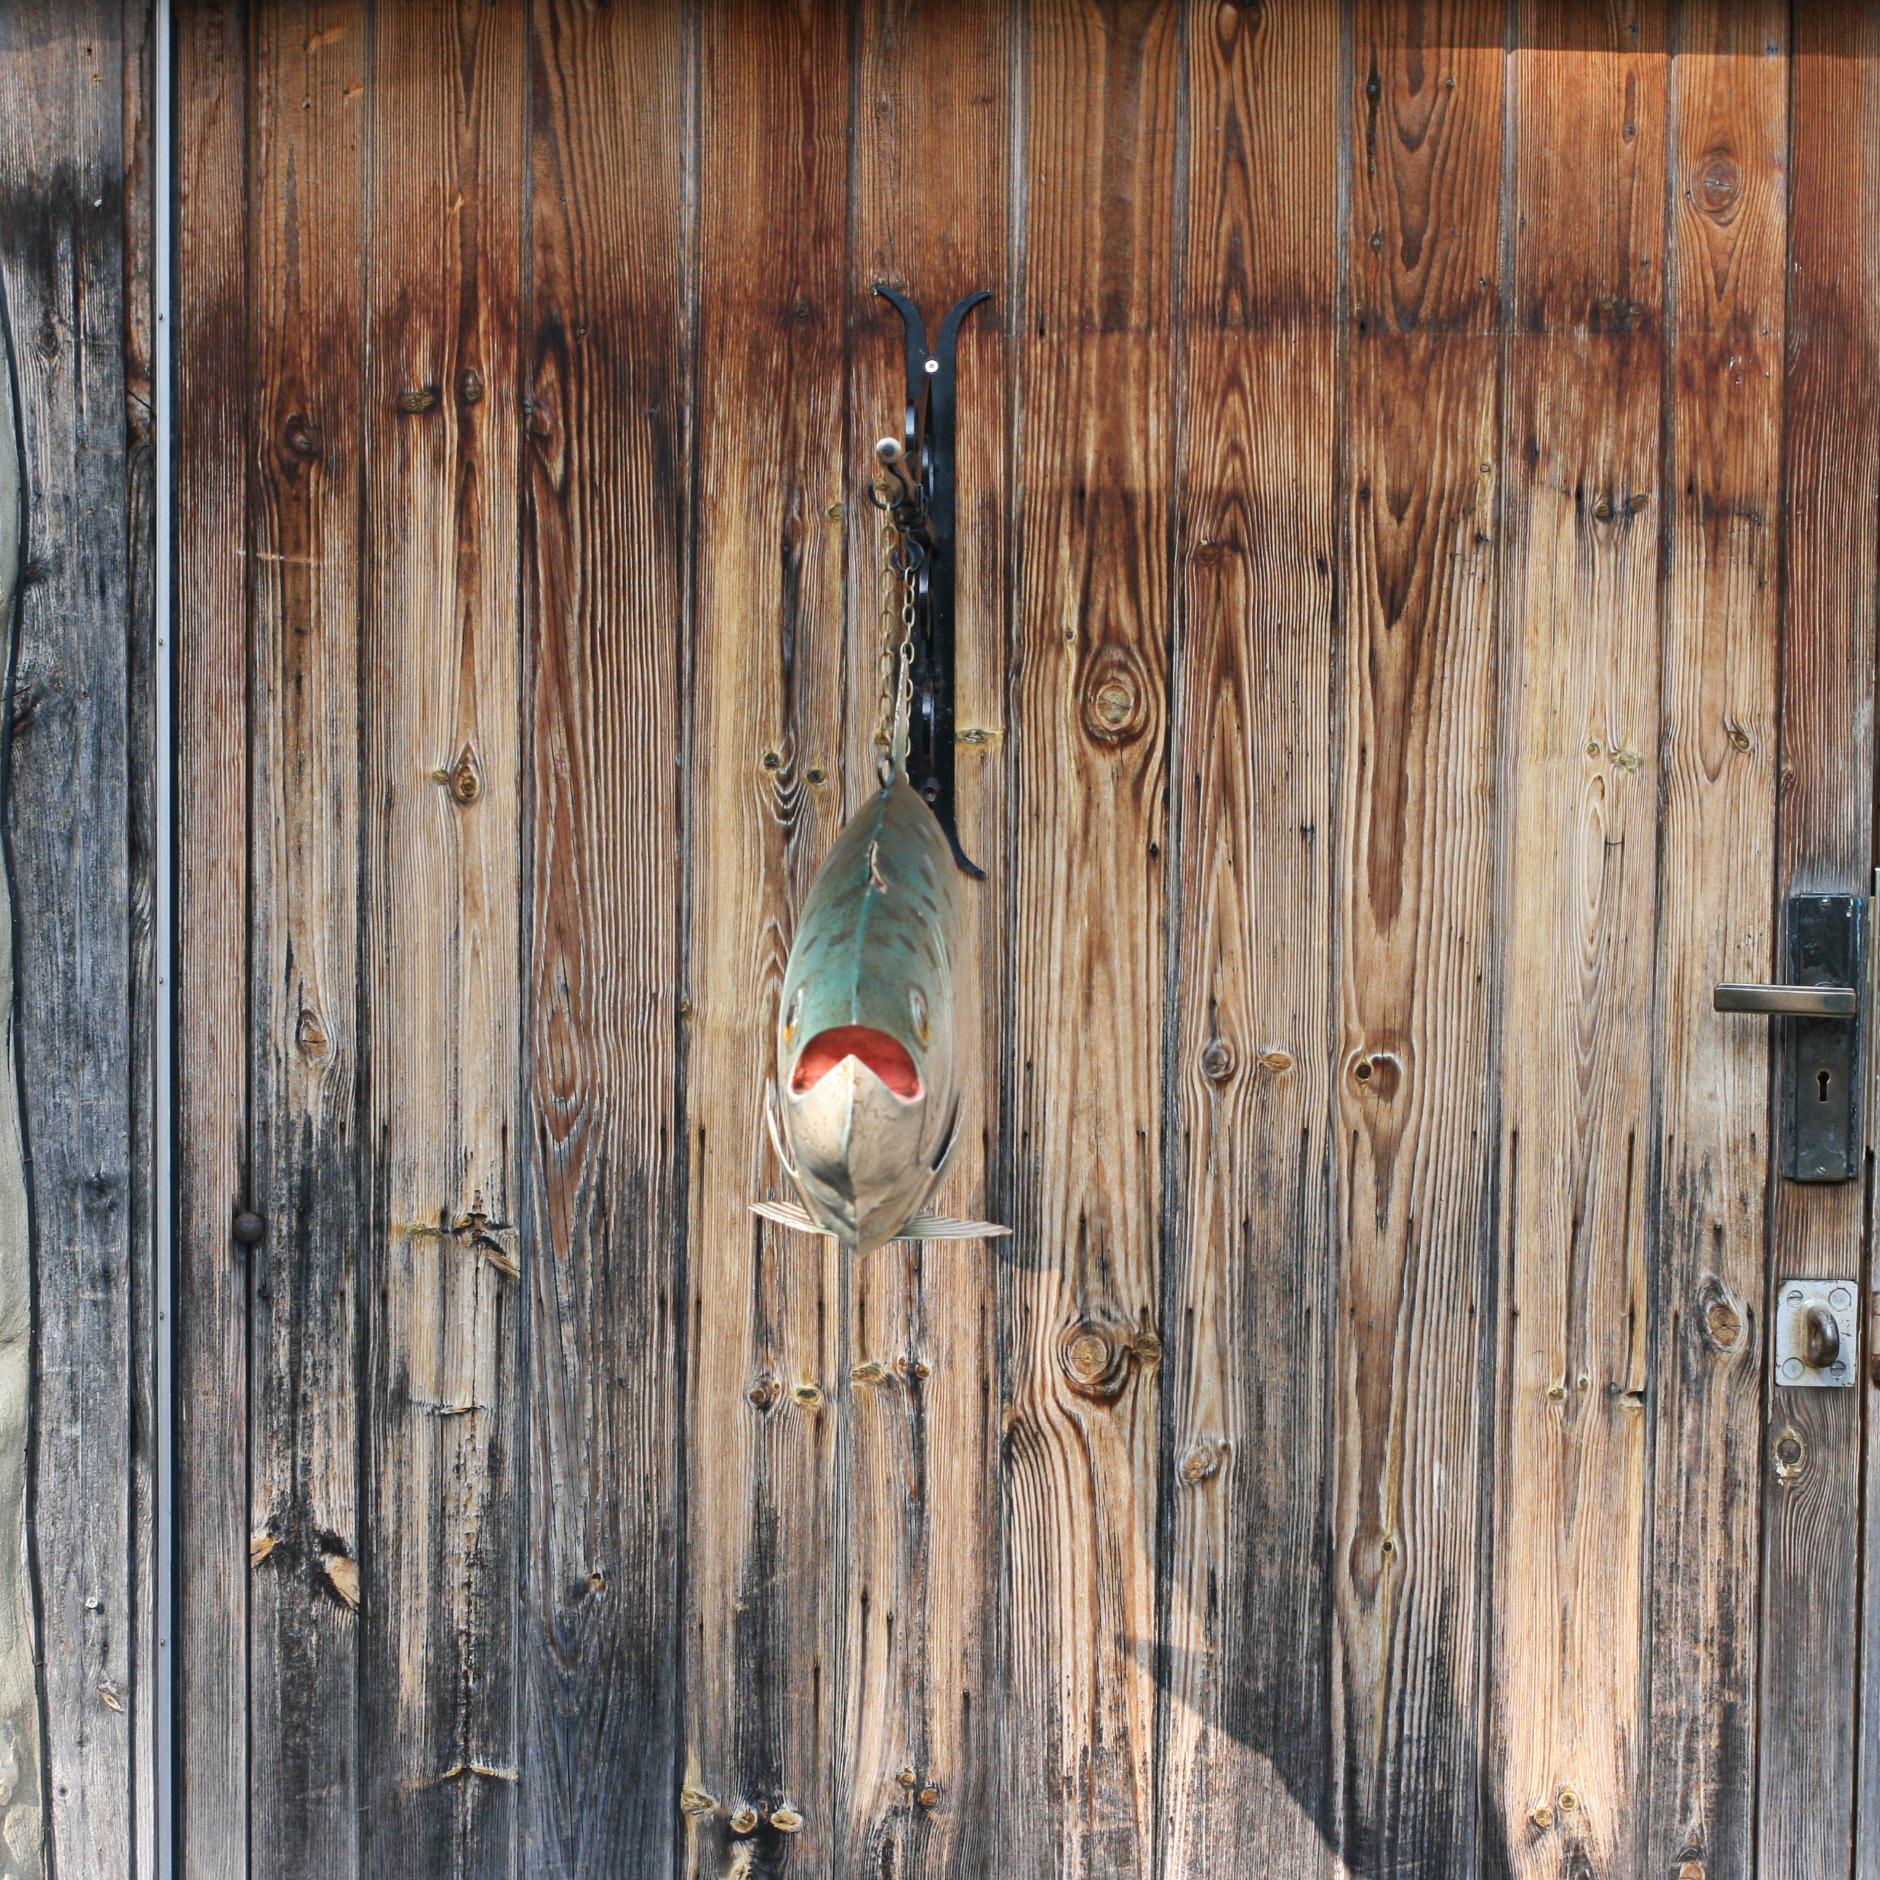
(249, 1228)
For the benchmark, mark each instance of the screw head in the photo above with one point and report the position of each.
(250, 1229)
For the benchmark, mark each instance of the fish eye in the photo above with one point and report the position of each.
(795, 1012)
(918, 1007)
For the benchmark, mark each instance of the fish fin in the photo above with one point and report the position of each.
(939, 1227)
(949, 1138)
(776, 1135)
(787, 1216)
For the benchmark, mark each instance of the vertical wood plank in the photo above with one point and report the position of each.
(1830, 475)
(21, 1737)
(1415, 1070)
(210, 1640)
(306, 365)
(766, 1394)
(61, 230)
(441, 1553)
(1245, 1738)
(1581, 459)
(923, 1573)
(1811, 1460)
(138, 103)
(1081, 1282)
(607, 509)
(1724, 348)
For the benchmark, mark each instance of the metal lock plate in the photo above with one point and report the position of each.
(1823, 1134)
(1817, 1333)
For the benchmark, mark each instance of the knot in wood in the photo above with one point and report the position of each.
(470, 386)
(1217, 1060)
(1094, 1361)
(1719, 184)
(744, 1819)
(1379, 1072)
(302, 437)
(696, 1801)
(464, 779)
(1791, 1456)
(417, 398)
(786, 1820)
(310, 1035)
(1203, 1462)
(1720, 1317)
(1115, 698)
(764, 1391)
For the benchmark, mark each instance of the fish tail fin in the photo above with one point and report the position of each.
(797, 1219)
(940, 1227)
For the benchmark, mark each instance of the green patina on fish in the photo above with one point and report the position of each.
(866, 1105)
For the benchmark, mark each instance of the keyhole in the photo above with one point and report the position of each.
(1821, 1078)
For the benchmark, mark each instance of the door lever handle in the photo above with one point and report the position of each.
(1788, 1001)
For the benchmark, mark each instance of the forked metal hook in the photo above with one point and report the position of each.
(923, 470)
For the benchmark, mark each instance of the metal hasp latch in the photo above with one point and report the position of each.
(925, 474)
(1824, 958)
(1817, 1333)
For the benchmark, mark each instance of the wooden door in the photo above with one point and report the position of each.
(1420, 513)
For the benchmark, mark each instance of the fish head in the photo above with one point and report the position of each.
(857, 1116)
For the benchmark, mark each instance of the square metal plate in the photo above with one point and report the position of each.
(1793, 1298)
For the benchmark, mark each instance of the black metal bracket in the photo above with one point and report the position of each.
(927, 476)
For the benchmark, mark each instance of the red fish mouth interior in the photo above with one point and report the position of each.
(883, 1055)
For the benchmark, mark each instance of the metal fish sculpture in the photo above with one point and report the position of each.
(866, 1106)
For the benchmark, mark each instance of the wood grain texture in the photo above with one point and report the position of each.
(1833, 454)
(1417, 826)
(607, 515)
(307, 1030)
(22, 1741)
(61, 255)
(441, 1543)
(137, 79)
(1811, 1459)
(1719, 688)
(1583, 502)
(1081, 1299)
(210, 1639)
(1379, 666)
(767, 1388)
(1244, 1738)
(923, 1568)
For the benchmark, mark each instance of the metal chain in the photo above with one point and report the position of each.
(898, 583)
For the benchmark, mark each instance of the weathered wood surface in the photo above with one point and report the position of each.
(768, 1330)
(308, 126)
(1414, 1106)
(1080, 1307)
(1245, 1731)
(440, 1535)
(138, 80)
(1382, 649)
(1811, 1457)
(1584, 365)
(70, 820)
(1718, 691)
(21, 1739)
(211, 1364)
(607, 419)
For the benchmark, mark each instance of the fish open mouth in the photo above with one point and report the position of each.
(886, 1057)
